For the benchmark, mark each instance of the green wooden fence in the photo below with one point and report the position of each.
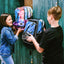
(22, 54)
(40, 8)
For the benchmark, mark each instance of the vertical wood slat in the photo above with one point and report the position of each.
(6, 6)
(61, 22)
(2, 7)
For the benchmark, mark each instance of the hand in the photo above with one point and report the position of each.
(14, 28)
(30, 38)
(20, 30)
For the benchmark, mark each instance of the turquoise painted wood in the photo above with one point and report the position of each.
(23, 54)
(40, 8)
(61, 22)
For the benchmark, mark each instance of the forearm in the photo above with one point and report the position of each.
(38, 48)
(19, 30)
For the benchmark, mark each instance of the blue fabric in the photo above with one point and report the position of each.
(25, 13)
(7, 41)
(30, 27)
(16, 15)
(7, 60)
(40, 26)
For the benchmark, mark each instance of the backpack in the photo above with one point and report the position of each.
(34, 27)
(21, 16)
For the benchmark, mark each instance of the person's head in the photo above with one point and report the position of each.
(5, 20)
(54, 13)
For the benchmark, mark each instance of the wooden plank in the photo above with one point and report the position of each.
(2, 8)
(40, 8)
(6, 6)
(61, 22)
(28, 3)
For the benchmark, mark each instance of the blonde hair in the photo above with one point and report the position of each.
(56, 12)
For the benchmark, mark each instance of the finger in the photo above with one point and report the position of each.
(27, 37)
(29, 34)
(28, 40)
(19, 28)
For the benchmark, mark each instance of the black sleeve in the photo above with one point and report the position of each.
(43, 42)
(48, 37)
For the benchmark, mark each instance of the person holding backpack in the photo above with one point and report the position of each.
(8, 38)
(52, 38)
